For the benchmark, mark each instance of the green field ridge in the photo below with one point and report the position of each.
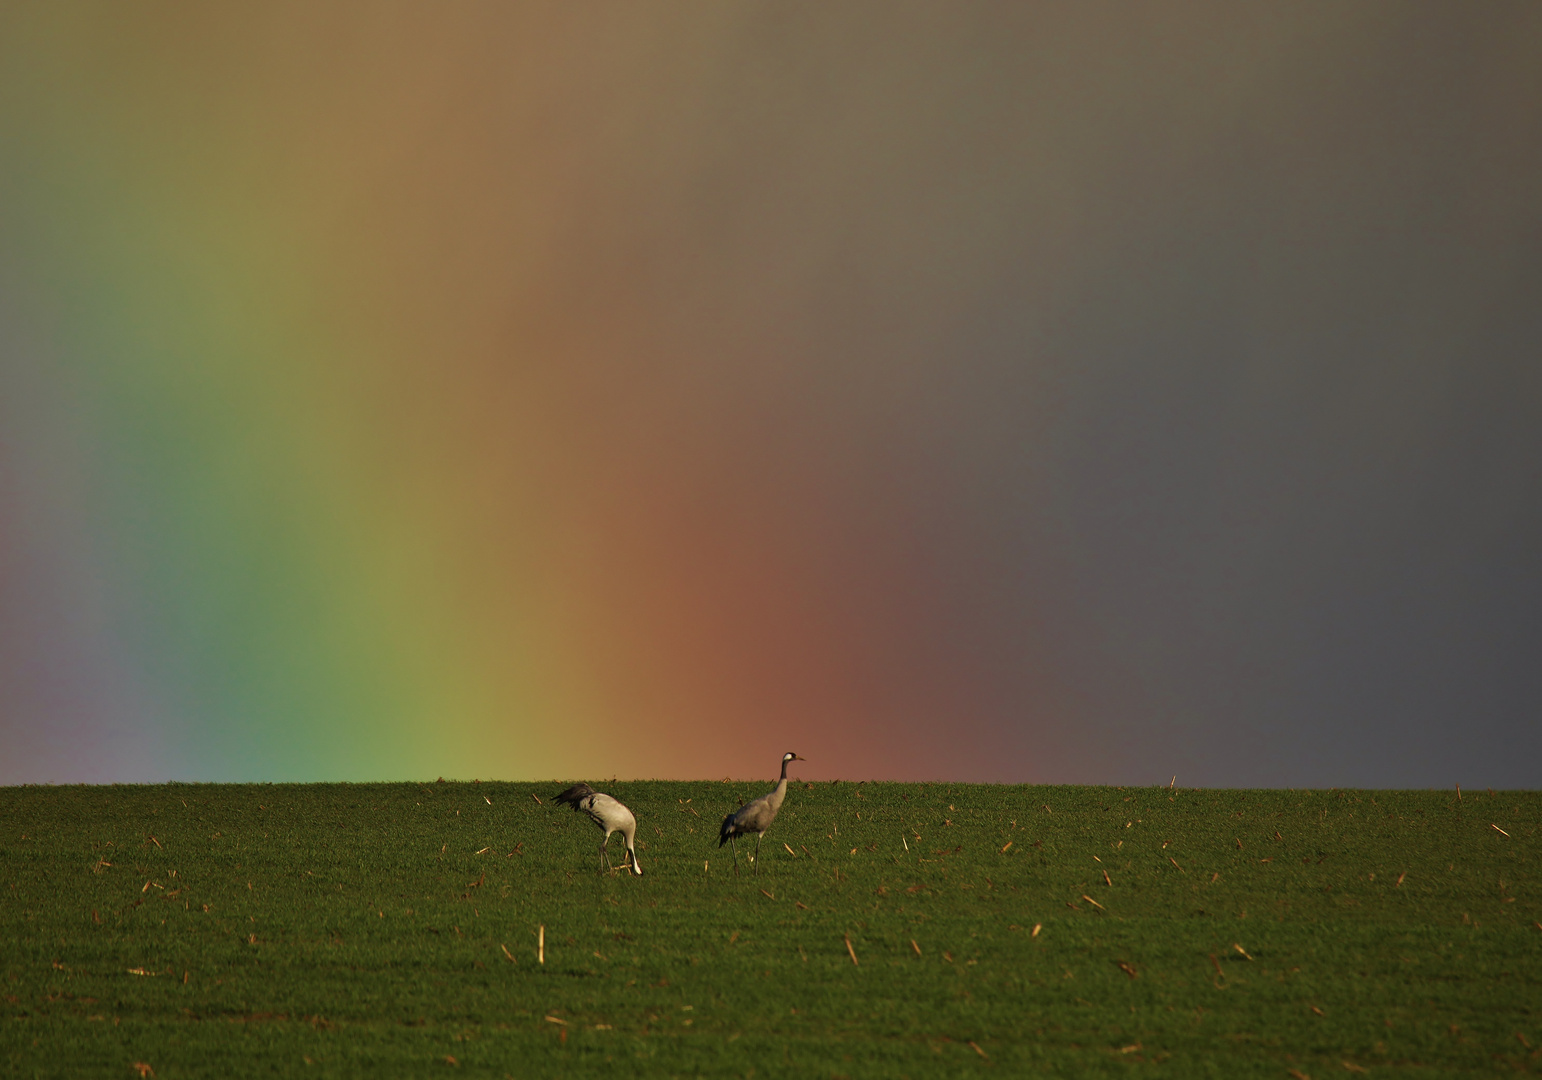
(893, 930)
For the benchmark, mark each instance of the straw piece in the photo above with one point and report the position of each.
(1241, 950)
(1107, 880)
(850, 950)
(977, 1049)
(506, 952)
(1500, 831)
(914, 946)
(1036, 928)
(540, 945)
(1093, 902)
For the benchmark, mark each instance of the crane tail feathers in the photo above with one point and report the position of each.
(575, 793)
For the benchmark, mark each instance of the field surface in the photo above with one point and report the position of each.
(393, 930)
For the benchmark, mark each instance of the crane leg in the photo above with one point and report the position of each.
(757, 854)
(735, 844)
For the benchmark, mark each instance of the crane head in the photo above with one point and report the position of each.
(790, 756)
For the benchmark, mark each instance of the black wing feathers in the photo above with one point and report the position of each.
(576, 794)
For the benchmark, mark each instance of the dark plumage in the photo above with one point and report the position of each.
(610, 815)
(756, 815)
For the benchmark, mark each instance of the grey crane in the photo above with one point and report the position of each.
(610, 815)
(756, 815)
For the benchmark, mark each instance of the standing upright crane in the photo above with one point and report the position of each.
(756, 815)
(610, 815)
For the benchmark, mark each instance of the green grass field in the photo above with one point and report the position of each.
(391, 930)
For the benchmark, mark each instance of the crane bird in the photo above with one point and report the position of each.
(610, 815)
(756, 815)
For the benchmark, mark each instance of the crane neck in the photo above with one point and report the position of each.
(775, 796)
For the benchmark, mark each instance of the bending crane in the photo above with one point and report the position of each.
(610, 815)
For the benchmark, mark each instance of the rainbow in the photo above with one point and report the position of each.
(549, 392)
